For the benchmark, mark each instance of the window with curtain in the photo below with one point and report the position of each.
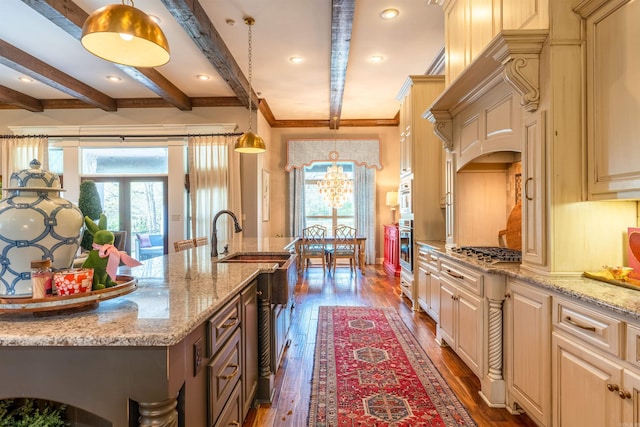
(317, 211)
(214, 183)
(18, 152)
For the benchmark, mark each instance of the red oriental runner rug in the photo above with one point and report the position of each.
(370, 371)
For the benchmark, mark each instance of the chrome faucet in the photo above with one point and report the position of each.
(214, 232)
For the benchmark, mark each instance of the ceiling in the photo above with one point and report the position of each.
(40, 39)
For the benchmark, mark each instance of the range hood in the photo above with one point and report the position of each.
(512, 56)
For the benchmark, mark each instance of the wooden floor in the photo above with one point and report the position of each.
(374, 289)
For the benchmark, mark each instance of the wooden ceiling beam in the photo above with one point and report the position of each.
(194, 20)
(342, 12)
(28, 65)
(20, 100)
(70, 17)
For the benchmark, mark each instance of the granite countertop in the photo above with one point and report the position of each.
(175, 294)
(616, 298)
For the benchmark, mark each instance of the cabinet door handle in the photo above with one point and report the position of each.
(454, 275)
(570, 321)
(231, 322)
(236, 368)
(526, 188)
(613, 387)
(447, 198)
(624, 394)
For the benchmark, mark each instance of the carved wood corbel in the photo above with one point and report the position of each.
(521, 72)
(442, 127)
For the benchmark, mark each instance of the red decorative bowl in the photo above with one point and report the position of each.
(71, 282)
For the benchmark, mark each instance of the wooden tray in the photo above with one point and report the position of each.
(86, 300)
(601, 276)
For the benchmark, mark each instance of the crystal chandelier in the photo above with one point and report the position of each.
(335, 188)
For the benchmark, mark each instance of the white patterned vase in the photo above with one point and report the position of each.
(35, 224)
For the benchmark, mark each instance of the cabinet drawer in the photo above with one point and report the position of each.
(223, 325)
(633, 344)
(224, 372)
(593, 327)
(470, 279)
(231, 415)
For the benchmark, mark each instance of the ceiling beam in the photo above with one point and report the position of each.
(20, 100)
(70, 17)
(341, 25)
(194, 20)
(28, 65)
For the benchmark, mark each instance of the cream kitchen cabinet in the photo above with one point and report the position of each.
(595, 381)
(534, 229)
(449, 176)
(470, 25)
(527, 338)
(613, 169)
(428, 281)
(461, 317)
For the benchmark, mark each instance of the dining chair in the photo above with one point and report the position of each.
(181, 245)
(201, 241)
(313, 246)
(344, 246)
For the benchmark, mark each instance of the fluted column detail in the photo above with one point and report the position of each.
(158, 414)
(264, 337)
(495, 339)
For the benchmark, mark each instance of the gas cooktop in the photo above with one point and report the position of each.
(490, 254)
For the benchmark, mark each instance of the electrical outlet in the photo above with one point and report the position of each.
(198, 356)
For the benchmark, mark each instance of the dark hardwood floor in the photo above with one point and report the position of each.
(375, 289)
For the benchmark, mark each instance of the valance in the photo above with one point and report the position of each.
(303, 152)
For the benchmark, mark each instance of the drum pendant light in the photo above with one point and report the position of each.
(249, 142)
(125, 35)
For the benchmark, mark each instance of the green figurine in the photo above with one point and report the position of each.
(104, 258)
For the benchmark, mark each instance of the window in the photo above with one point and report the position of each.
(125, 161)
(317, 212)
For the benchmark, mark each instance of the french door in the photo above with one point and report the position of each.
(134, 205)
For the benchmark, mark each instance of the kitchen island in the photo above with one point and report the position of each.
(149, 357)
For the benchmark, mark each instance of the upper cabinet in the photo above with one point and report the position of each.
(470, 25)
(613, 128)
(421, 155)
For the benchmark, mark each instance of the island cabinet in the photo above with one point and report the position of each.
(233, 367)
(527, 341)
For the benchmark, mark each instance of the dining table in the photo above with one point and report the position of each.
(360, 249)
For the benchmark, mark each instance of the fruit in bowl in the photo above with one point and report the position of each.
(619, 273)
(71, 282)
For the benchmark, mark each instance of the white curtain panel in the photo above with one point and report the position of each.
(18, 152)
(214, 178)
(296, 202)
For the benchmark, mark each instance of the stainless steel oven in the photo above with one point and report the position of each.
(405, 226)
(404, 198)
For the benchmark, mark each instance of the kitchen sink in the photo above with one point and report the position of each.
(281, 259)
(276, 287)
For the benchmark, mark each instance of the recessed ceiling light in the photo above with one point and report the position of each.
(296, 59)
(203, 77)
(230, 22)
(389, 13)
(376, 59)
(113, 78)
(25, 79)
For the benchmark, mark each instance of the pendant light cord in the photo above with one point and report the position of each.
(249, 21)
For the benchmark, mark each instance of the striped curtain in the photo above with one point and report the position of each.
(365, 205)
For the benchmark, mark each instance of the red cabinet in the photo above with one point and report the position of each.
(392, 249)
